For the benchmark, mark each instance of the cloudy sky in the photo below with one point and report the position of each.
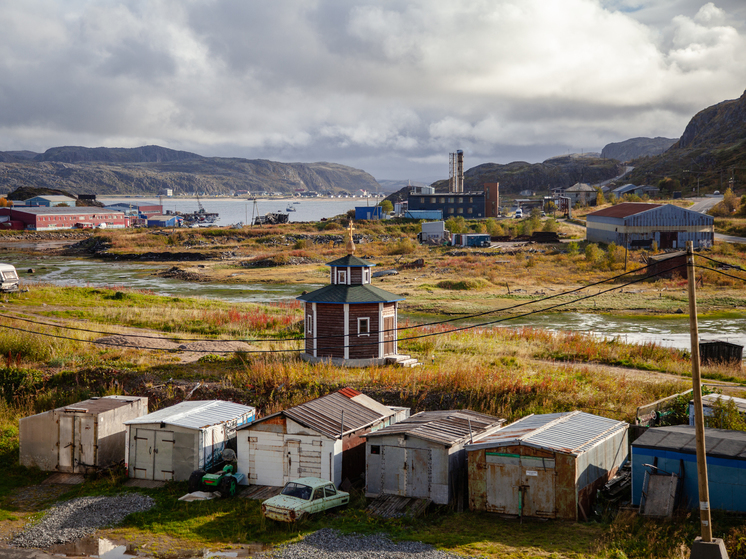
(387, 86)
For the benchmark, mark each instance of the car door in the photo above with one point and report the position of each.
(317, 500)
(332, 497)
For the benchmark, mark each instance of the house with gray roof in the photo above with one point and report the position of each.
(581, 194)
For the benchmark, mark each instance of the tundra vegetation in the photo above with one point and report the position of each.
(50, 358)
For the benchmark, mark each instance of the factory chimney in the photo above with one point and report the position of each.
(456, 172)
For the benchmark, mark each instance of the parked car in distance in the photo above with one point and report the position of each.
(302, 497)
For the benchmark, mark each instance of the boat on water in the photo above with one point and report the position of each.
(200, 217)
(290, 209)
(296, 202)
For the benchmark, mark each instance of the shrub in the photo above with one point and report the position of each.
(573, 248)
(405, 245)
(592, 252)
(462, 285)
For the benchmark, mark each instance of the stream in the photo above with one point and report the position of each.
(666, 331)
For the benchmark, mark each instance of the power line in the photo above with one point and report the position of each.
(397, 329)
(429, 334)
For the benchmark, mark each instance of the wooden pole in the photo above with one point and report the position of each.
(699, 420)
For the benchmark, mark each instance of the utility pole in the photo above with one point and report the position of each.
(704, 545)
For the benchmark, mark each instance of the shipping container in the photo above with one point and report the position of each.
(81, 437)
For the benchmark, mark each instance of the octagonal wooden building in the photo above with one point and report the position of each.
(350, 321)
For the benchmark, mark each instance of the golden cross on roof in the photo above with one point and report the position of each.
(350, 243)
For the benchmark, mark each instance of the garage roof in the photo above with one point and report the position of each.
(569, 433)
(446, 427)
(325, 414)
(681, 438)
(196, 414)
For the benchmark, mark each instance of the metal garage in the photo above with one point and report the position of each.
(81, 437)
(424, 455)
(171, 443)
(672, 451)
(320, 438)
(545, 465)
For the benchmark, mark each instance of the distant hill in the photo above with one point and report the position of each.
(556, 172)
(148, 169)
(711, 149)
(636, 147)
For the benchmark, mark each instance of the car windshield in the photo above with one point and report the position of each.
(297, 490)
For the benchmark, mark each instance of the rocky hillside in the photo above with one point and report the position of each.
(711, 149)
(148, 169)
(514, 177)
(636, 147)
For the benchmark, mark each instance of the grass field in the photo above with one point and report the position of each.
(507, 372)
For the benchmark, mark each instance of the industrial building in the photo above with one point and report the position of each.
(671, 452)
(165, 221)
(456, 202)
(321, 438)
(423, 456)
(48, 201)
(171, 443)
(81, 437)
(665, 224)
(548, 465)
(56, 218)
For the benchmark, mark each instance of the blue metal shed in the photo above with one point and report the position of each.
(437, 215)
(165, 221)
(670, 448)
(368, 212)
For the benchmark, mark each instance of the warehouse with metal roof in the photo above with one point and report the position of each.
(423, 456)
(171, 443)
(321, 438)
(546, 465)
(667, 225)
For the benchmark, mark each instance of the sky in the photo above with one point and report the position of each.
(390, 87)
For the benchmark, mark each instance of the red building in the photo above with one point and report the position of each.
(54, 219)
(350, 322)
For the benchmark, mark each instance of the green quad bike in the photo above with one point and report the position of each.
(225, 481)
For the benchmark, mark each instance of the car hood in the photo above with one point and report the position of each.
(285, 501)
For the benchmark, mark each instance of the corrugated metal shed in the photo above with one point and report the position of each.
(324, 414)
(570, 433)
(673, 450)
(196, 414)
(443, 427)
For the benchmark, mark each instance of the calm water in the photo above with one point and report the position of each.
(237, 210)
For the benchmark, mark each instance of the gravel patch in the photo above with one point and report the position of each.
(81, 517)
(331, 544)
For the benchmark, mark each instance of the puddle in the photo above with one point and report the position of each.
(105, 548)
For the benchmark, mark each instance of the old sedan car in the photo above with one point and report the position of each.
(304, 496)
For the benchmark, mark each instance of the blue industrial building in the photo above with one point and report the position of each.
(668, 225)
(165, 221)
(469, 205)
(435, 215)
(673, 450)
(368, 212)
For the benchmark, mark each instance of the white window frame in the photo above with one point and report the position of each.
(342, 276)
(309, 326)
(366, 275)
(360, 321)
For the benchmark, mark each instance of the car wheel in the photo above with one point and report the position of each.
(195, 480)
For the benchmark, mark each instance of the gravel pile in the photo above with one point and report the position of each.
(331, 544)
(78, 518)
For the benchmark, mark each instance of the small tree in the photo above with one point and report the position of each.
(600, 198)
(592, 252)
(456, 224)
(386, 206)
(550, 206)
(613, 200)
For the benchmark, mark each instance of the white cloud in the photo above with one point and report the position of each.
(357, 80)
